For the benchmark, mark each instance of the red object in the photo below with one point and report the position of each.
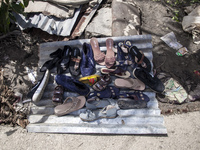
(197, 72)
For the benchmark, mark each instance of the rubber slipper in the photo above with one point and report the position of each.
(107, 112)
(130, 83)
(118, 72)
(98, 55)
(97, 103)
(110, 55)
(92, 79)
(128, 103)
(136, 95)
(71, 104)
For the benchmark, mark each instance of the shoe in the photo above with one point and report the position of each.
(110, 55)
(57, 53)
(129, 83)
(108, 92)
(120, 59)
(92, 79)
(152, 82)
(109, 111)
(58, 95)
(37, 91)
(137, 56)
(118, 72)
(133, 100)
(97, 103)
(74, 64)
(71, 104)
(87, 63)
(63, 65)
(103, 82)
(50, 64)
(98, 55)
(72, 84)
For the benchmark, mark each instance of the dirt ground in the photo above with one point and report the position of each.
(183, 134)
(21, 49)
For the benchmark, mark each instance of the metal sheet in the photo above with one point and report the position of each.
(133, 121)
(50, 24)
(85, 19)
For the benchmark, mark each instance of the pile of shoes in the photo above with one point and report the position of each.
(104, 81)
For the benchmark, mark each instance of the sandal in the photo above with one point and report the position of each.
(96, 103)
(119, 72)
(138, 56)
(108, 92)
(98, 55)
(74, 64)
(107, 112)
(58, 95)
(110, 55)
(128, 103)
(130, 83)
(102, 83)
(71, 104)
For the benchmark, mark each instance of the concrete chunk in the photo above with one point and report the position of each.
(126, 18)
(101, 24)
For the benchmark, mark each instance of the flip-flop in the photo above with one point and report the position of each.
(128, 103)
(109, 111)
(130, 83)
(98, 55)
(110, 55)
(118, 72)
(71, 104)
(97, 103)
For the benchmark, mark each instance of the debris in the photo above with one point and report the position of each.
(173, 93)
(191, 24)
(49, 9)
(171, 41)
(9, 101)
(85, 19)
(103, 19)
(126, 21)
(50, 24)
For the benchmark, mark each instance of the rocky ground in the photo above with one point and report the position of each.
(20, 49)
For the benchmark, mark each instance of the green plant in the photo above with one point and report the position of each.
(6, 16)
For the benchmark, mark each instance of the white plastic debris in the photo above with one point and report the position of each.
(31, 75)
(171, 41)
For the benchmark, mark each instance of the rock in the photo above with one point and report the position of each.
(126, 18)
(101, 24)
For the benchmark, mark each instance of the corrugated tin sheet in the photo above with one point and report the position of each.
(50, 24)
(133, 121)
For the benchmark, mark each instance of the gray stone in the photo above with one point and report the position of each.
(101, 24)
(126, 18)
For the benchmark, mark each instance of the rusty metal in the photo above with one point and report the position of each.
(85, 19)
